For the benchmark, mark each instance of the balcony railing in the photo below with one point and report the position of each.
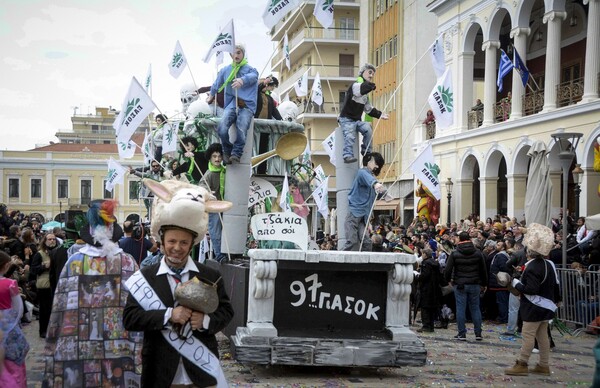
(430, 130)
(310, 107)
(502, 110)
(569, 93)
(533, 102)
(345, 34)
(475, 118)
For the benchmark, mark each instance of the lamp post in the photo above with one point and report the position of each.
(578, 176)
(449, 185)
(567, 144)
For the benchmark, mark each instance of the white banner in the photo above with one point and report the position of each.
(259, 190)
(170, 139)
(116, 174)
(276, 10)
(135, 108)
(319, 175)
(148, 82)
(126, 149)
(284, 201)
(301, 86)
(317, 91)
(219, 61)
(329, 147)
(280, 227)
(225, 42)
(324, 12)
(286, 51)
(427, 171)
(178, 61)
(441, 101)
(436, 53)
(321, 197)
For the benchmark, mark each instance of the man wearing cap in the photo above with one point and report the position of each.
(266, 107)
(355, 103)
(240, 82)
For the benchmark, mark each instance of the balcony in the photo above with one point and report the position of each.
(502, 110)
(325, 71)
(475, 119)
(533, 102)
(569, 93)
(313, 33)
(310, 107)
(430, 130)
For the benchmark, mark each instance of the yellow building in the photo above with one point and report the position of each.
(66, 176)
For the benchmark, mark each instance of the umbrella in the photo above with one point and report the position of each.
(52, 224)
(538, 197)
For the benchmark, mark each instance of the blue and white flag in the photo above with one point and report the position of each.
(504, 68)
(286, 51)
(116, 174)
(436, 52)
(224, 42)
(276, 10)
(521, 68)
(284, 200)
(178, 61)
(324, 12)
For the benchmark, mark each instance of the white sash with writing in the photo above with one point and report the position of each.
(191, 348)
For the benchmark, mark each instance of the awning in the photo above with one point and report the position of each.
(382, 204)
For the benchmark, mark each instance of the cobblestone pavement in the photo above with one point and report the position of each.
(450, 363)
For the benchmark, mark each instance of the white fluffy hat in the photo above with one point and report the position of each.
(182, 205)
(539, 238)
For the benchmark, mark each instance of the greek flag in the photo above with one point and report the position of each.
(505, 67)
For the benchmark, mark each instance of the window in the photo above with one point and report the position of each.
(86, 191)
(13, 188)
(134, 187)
(376, 57)
(95, 128)
(63, 188)
(107, 194)
(347, 28)
(395, 45)
(36, 188)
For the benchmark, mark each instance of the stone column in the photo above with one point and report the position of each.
(592, 52)
(553, 19)
(517, 186)
(489, 196)
(555, 178)
(463, 199)
(345, 173)
(519, 35)
(491, 73)
(465, 82)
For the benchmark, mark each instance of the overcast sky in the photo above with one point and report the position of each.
(61, 54)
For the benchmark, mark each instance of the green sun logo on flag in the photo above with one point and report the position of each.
(223, 36)
(434, 169)
(326, 4)
(170, 135)
(111, 173)
(130, 105)
(176, 59)
(447, 97)
(123, 145)
(273, 4)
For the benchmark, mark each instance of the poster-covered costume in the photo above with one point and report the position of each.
(86, 344)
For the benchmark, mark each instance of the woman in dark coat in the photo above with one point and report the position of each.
(430, 290)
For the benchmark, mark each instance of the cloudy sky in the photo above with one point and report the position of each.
(62, 54)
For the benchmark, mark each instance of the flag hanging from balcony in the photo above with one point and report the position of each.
(286, 51)
(148, 82)
(277, 9)
(224, 42)
(178, 61)
(441, 101)
(317, 91)
(284, 200)
(301, 86)
(115, 176)
(320, 195)
(436, 52)
(504, 68)
(521, 68)
(324, 12)
(135, 108)
(427, 171)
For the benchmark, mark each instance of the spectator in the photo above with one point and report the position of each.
(40, 268)
(136, 245)
(430, 118)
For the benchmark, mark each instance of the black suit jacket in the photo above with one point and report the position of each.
(159, 359)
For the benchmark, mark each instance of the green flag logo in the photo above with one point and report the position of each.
(223, 38)
(434, 169)
(111, 174)
(177, 59)
(123, 145)
(326, 4)
(170, 135)
(130, 107)
(447, 97)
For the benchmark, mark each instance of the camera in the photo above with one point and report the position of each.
(140, 230)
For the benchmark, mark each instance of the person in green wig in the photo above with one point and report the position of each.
(214, 179)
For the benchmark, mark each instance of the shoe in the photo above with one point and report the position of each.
(509, 333)
(460, 337)
(536, 351)
(440, 325)
(226, 158)
(478, 337)
(350, 159)
(520, 369)
(234, 159)
(540, 370)
(425, 330)
(42, 335)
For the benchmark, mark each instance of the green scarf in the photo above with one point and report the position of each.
(368, 118)
(235, 67)
(221, 171)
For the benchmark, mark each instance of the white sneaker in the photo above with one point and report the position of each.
(536, 351)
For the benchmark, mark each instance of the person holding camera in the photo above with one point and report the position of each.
(135, 242)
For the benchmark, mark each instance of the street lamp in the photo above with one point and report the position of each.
(578, 176)
(449, 185)
(567, 144)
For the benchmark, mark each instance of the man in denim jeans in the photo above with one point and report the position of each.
(240, 82)
(466, 271)
(355, 103)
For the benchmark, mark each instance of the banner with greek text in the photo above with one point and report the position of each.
(329, 147)
(276, 10)
(224, 42)
(135, 108)
(259, 190)
(427, 171)
(280, 227)
(116, 174)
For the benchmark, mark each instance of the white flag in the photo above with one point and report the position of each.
(170, 140)
(317, 91)
(305, 156)
(147, 149)
(284, 201)
(286, 97)
(320, 196)
(329, 147)
(286, 51)
(436, 52)
(219, 56)
(126, 148)
(116, 173)
(136, 107)
(324, 12)
(225, 42)
(276, 10)
(319, 175)
(427, 171)
(178, 61)
(301, 86)
(148, 81)
(441, 101)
